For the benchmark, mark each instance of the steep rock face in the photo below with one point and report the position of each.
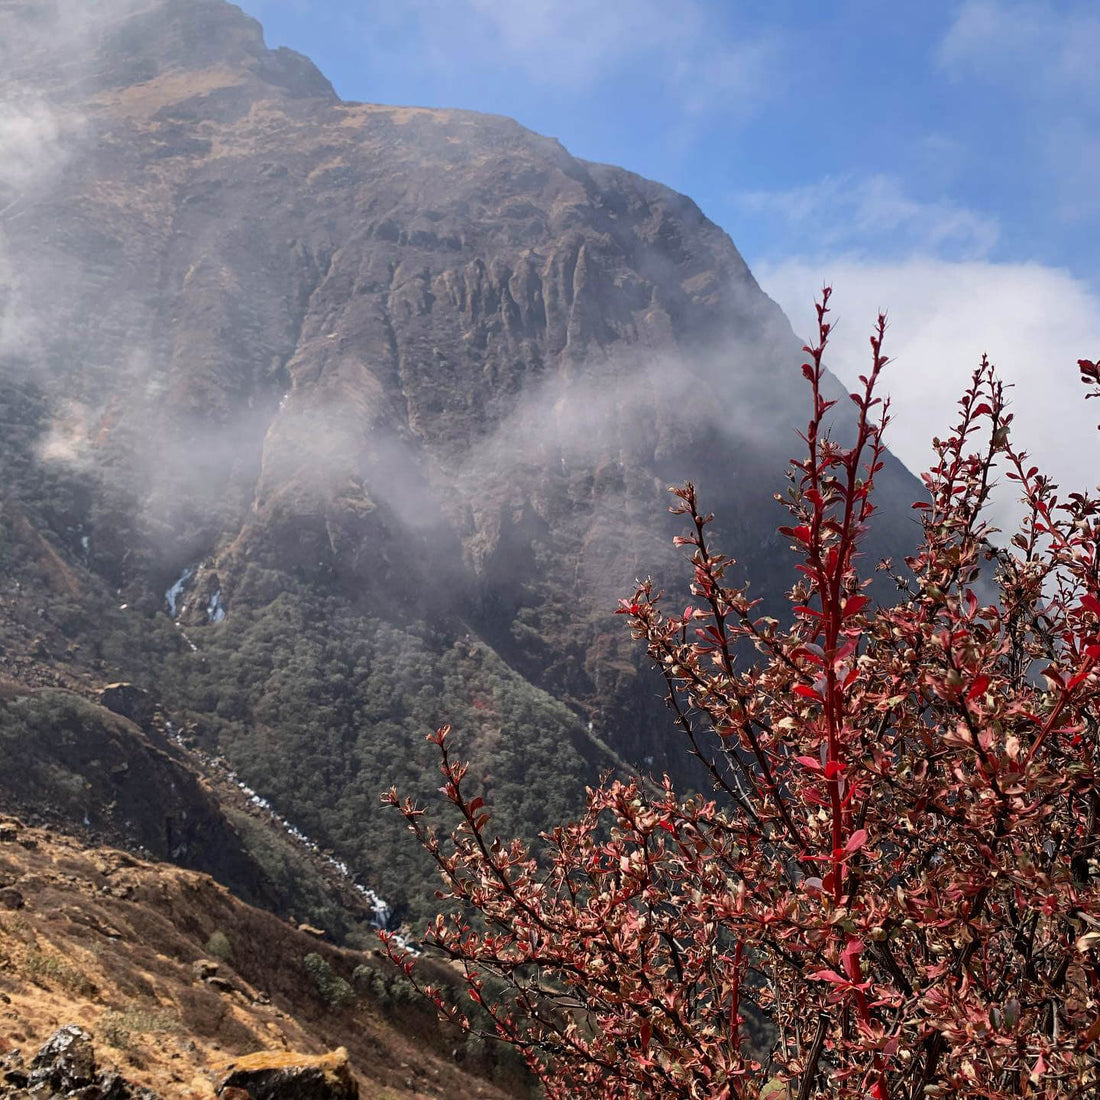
(424, 362)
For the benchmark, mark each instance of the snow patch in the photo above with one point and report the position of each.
(172, 595)
(215, 609)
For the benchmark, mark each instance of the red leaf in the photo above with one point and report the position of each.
(807, 692)
(854, 604)
(850, 958)
(1052, 674)
(856, 841)
(979, 686)
(827, 976)
(1091, 603)
(1082, 675)
(810, 763)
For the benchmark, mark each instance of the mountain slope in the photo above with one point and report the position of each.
(174, 977)
(385, 399)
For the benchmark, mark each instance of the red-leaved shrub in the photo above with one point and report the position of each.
(896, 876)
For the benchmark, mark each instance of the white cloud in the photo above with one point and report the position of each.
(31, 143)
(570, 40)
(1034, 322)
(873, 216)
(1034, 47)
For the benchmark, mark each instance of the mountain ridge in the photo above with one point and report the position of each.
(396, 391)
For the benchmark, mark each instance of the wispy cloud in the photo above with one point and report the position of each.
(1041, 59)
(31, 142)
(872, 216)
(572, 46)
(1035, 47)
(1035, 322)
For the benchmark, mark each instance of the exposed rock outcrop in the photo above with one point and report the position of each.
(65, 1069)
(130, 701)
(280, 1075)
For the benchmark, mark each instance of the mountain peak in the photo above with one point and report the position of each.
(68, 47)
(389, 390)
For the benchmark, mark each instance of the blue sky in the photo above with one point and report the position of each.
(940, 159)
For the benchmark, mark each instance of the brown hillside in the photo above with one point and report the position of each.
(174, 978)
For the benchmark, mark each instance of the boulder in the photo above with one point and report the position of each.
(65, 1062)
(279, 1075)
(130, 701)
(204, 969)
(64, 1069)
(13, 1071)
(10, 898)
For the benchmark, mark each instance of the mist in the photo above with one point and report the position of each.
(217, 350)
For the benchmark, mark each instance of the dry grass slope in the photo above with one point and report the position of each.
(175, 978)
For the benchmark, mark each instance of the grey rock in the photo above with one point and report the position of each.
(64, 1069)
(65, 1061)
(13, 1069)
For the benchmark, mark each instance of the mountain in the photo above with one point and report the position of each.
(328, 422)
